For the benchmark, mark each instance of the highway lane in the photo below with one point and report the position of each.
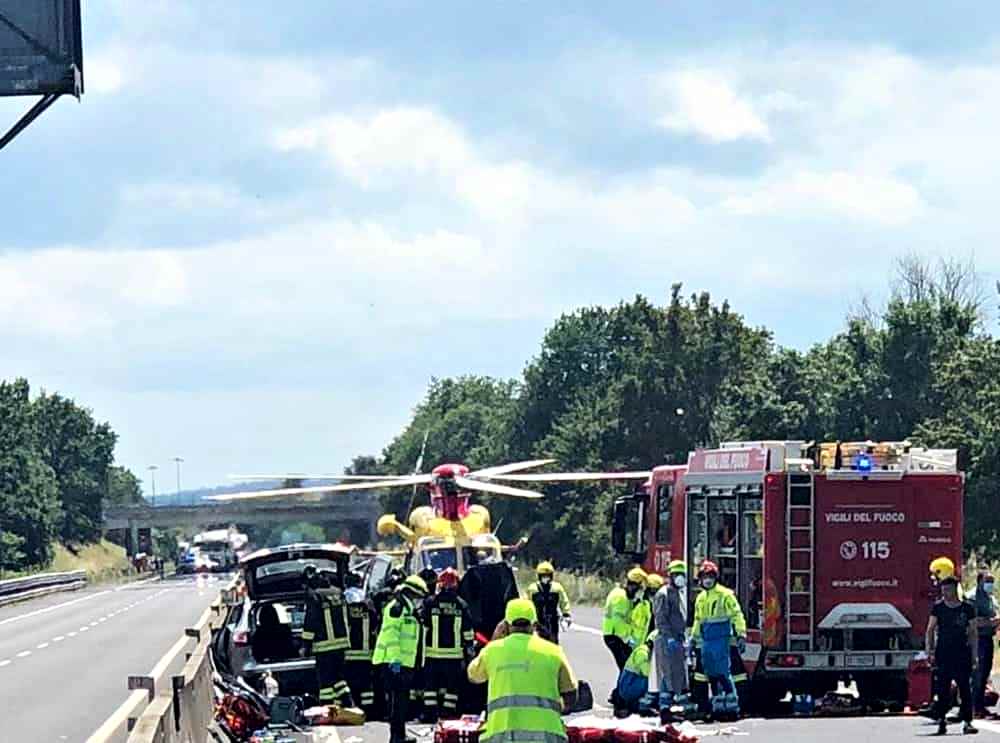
(64, 659)
(592, 662)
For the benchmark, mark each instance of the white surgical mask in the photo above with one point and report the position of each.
(707, 582)
(988, 587)
(680, 581)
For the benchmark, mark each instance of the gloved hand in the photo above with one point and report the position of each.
(632, 644)
(395, 668)
(741, 644)
(672, 645)
(567, 622)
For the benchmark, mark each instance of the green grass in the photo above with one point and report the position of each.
(103, 561)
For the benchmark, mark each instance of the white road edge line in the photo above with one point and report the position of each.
(59, 639)
(47, 609)
(4, 663)
(42, 646)
(142, 582)
(23, 654)
(588, 630)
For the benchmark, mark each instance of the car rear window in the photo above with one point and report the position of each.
(287, 568)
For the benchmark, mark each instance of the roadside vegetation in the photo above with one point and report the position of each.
(642, 384)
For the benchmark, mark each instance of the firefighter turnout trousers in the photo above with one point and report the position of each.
(325, 628)
(448, 635)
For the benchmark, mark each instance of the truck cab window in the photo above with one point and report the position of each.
(664, 509)
(723, 535)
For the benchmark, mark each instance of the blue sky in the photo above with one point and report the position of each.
(261, 233)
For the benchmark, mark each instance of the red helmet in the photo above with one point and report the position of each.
(708, 567)
(448, 578)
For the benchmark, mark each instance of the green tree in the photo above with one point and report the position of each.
(29, 497)
(79, 451)
(123, 487)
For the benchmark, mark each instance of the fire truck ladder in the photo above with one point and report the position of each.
(800, 582)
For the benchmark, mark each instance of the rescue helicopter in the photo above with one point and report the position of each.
(451, 531)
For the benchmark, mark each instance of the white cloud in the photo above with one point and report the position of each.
(103, 75)
(705, 104)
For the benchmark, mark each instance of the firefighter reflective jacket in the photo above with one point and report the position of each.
(617, 614)
(523, 703)
(640, 621)
(361, 621)
(399, 638)
(718, 602)
(447, 624)
(325, 625)
(550, 602)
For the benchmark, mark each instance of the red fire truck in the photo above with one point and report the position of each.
(827, 548)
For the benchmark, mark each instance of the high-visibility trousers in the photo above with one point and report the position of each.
(330, 678)
(442, 682)
(360, 680)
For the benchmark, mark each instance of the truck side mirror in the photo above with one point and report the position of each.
(618, 525)
(628, 522)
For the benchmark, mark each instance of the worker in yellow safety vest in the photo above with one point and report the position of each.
(617, 626)
(641, 618)
(529, 681)
(715, 602)
(397, 650)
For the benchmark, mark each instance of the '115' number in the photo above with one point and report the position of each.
(875, 550)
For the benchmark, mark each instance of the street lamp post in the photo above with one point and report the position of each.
(152, 479)
(178, 461)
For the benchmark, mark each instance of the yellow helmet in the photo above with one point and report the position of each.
(416, 584)
(520, 610)
(677, 567)
(545, 568)
(654, 580)
(636, 575)
(942, 567)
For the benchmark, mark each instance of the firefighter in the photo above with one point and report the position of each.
(617, 627)
(361, 629)
(324, 633)
(387, 592)
(397, 651)
(718, 621)
(551, 602)
(448, 638)
(670, 611)
(530, 681)
(952, 647)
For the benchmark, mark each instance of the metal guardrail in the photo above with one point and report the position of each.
(22, 589)
(176, 708)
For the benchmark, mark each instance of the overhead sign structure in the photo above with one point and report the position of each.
(41, 53)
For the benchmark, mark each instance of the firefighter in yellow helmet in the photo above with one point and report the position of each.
(325, 633)
(641, 618)
(530, 681)
(397, 650)
(550, 600)
(617, 626)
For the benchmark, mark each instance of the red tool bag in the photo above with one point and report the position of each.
(463, 730)
(918, 677)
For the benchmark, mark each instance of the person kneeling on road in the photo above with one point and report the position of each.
(529, 678)
(952, 645)
(633, 681)
(397, 650)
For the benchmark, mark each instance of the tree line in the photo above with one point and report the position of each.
(56, 472)
(638, 385)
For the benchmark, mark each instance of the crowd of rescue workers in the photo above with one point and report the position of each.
(409, 651)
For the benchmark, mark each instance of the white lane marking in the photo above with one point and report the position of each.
(42, 646)
(23, 654)
(588, 630)
(103, 619)
(94, 623)
(4, 662)
(71, 634)
(47, 609)
(987, 725)
(84, 629)
(142, 582)
(59, 639)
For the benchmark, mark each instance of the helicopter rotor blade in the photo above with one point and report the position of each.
(502, 469)
(319, 489)
(495, 488)
(575, 476)
(304, 476)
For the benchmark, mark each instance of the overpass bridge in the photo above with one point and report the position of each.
(356, 512)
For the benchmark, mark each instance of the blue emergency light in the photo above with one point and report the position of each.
(863, 463)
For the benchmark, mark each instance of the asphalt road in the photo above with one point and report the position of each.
(592, 662)
(65, 658)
